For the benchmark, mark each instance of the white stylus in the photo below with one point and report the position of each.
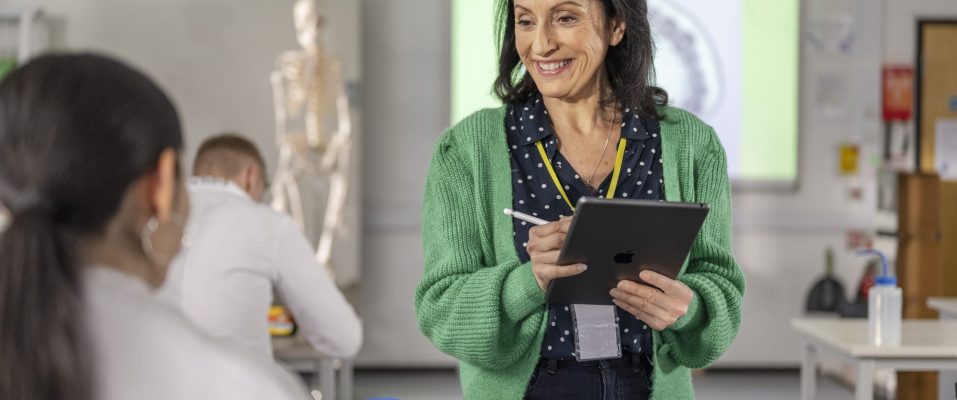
(525, 217)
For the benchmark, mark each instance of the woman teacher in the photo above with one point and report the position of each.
(581, 118)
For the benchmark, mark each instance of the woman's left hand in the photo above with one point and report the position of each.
(659, 308)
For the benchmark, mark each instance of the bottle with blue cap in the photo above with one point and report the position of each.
(883, 307)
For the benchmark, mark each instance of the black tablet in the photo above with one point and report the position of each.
(619, 238)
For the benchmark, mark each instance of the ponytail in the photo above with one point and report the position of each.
(41, 322)
(76, 131)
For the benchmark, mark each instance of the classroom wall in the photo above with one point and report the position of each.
(214, 58)
(406, 53)
(900, 33)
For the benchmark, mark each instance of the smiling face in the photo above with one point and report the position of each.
(563, 44)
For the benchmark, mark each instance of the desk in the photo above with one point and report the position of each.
(332, 376)
(947, 307)
(926, 345)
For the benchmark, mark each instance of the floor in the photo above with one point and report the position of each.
(709, 385)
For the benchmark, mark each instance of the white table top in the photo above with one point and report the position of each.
(920, 338)
(946, 305)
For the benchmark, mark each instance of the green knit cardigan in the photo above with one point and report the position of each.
(478, 303)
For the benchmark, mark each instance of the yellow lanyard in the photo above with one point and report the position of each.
(558, 184)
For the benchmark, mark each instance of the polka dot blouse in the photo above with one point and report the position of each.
(534, 193)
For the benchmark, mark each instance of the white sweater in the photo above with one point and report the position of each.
(145, 349)
(240, 252)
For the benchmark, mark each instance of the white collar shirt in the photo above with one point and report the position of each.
(240, 252)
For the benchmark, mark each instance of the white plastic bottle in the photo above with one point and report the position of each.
(884, 312)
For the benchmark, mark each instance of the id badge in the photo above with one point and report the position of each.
(596, 332)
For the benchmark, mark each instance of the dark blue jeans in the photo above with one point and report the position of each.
(626, 378)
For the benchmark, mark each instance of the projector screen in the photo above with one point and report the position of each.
(733, 63)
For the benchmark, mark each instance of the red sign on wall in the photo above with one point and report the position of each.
(898, 92)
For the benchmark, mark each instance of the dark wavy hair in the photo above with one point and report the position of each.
(75, 132)
(629, 65)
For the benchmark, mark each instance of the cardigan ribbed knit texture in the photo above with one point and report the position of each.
(479, 304)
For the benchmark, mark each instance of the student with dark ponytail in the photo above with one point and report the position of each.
(89, 176)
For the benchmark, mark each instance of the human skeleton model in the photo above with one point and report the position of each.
(300, 86)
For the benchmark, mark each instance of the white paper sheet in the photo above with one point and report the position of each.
(946, 149)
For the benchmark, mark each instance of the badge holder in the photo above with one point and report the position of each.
(596, 332)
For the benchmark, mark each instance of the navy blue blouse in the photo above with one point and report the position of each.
(534, 193)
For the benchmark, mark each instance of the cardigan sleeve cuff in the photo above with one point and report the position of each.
(521, 293)
(695, 317)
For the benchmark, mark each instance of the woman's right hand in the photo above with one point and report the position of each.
(544, 245)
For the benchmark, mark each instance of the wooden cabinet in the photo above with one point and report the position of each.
(926, 259)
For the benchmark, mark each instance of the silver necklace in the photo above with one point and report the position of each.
(604, 149)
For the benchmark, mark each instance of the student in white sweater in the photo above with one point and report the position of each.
(242, 251)
(89, 174)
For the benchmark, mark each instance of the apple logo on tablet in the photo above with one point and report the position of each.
(625, 258)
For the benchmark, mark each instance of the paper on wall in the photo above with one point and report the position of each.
(946, 148)
(833, 94)
(833, 34)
